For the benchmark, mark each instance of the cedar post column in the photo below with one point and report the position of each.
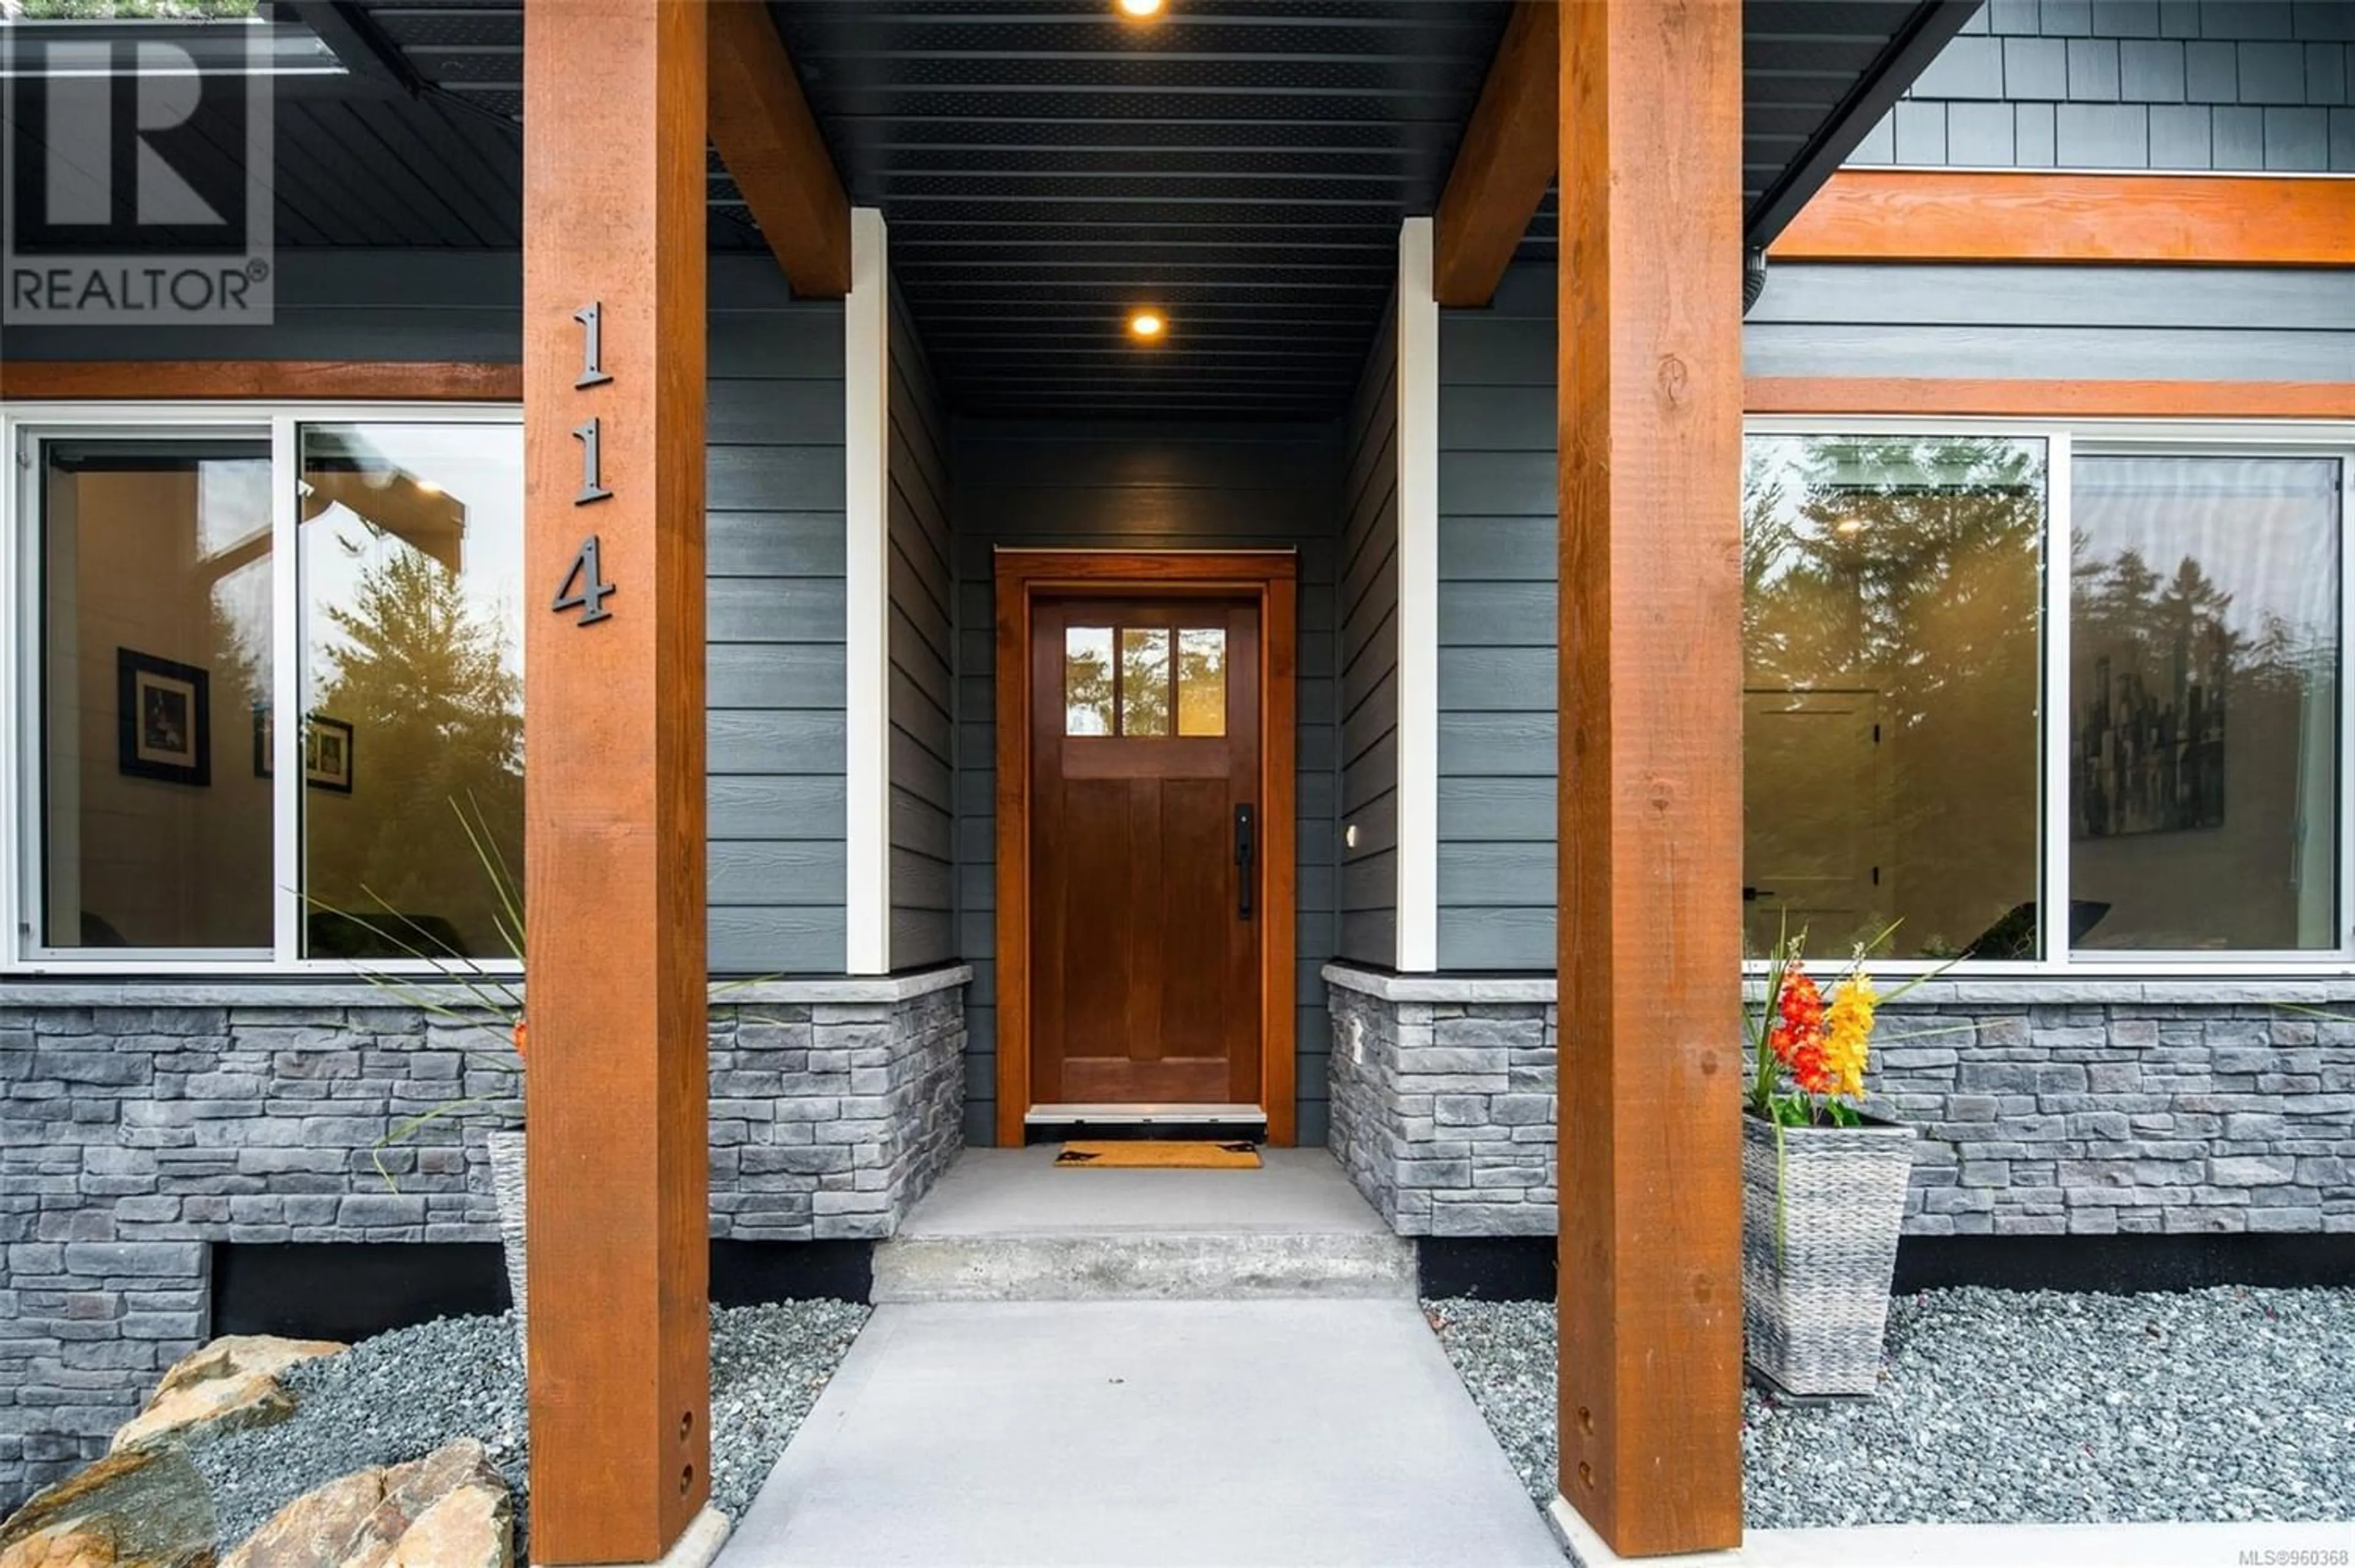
(1651, 1059)
(614, 224)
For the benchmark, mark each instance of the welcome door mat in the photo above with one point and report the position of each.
(1158, 1154)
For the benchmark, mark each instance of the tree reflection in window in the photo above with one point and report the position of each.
(1087, 680)
(1145, 680)
(1903, 569)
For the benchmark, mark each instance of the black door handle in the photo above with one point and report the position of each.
(1750, 895)
(1246, 852)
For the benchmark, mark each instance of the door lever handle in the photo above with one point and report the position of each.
(1246, 852)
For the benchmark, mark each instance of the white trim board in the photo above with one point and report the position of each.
(867, 593)
(1418, 602)
(2175, 1545)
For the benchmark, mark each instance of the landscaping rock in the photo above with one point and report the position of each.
(148, 1507)
(449, 1510)
(229, 1384)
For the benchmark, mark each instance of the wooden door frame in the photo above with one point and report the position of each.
(1271, 577)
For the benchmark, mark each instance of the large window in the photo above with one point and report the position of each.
(2062, 697)
(2203, 703)
(1890, 702)
(192, 583)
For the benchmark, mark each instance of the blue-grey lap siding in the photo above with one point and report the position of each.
(2145, 84)
(1141, 486)
(922, 640)
(1368, 654)
(1497, 488)
(775, 541)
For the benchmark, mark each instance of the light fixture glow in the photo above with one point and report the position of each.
(1146, 323)
(1140, 9)
(1850, 525)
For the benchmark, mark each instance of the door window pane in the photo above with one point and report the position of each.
(412, 682)
(2203, 703)
(1202, 682)
(1891, 742)
(1087, 680)
(154, 678)
(1145, 680)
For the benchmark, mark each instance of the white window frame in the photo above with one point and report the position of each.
(2065, 439)
(24, 427)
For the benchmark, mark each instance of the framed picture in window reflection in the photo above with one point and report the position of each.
(327, 755)
(163, 719)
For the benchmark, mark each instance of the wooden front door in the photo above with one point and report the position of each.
(1147, 851)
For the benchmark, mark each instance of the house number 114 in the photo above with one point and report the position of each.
(584, 587)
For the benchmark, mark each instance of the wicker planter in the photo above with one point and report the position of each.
(1814, 1297)
(506, 1188)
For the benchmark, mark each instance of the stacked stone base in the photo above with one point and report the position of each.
(133, 1139)
(2090, 1108)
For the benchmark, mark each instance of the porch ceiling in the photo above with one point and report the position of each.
(1046, 166)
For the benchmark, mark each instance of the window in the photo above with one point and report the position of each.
(412, 682)
(2047, 697)
(155, 656)
(2203, 703)
(1157, 665)
(1890, 691)
(191, 583)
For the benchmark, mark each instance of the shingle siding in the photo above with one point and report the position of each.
(2183, 85)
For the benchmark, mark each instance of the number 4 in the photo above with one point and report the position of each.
(584, 587)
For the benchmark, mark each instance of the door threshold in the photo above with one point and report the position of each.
(1138, 1114)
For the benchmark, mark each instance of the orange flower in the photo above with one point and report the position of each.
(518, 1040)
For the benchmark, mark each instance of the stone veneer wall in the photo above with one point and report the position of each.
(2094, 1108)
(133, 1137)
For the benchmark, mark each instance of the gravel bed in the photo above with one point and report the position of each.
(400, 1395)
(2229, 1403)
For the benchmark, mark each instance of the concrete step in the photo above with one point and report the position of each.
(1008, 1225)
(1212, 1266)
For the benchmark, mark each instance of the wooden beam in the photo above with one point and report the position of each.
(615, 95)
(1649, 405)
(1506, 160)
(770, 142)
(1867, 215)
(292, 379)
(2050, 400)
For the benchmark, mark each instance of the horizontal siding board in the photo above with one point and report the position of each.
(786, 873)
(773, 609)
(766, 740)
(777, 941)
(1497, 810)
(1512, 745)
(1497, 939)
(774, 544)
(769, 675)
(778, 807)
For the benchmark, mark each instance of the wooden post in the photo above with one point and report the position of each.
(1651, 1061)
(613, 417)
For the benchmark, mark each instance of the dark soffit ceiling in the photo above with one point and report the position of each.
(1044, 166)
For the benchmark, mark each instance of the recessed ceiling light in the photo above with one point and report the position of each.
(1146, 323)
(1140, 9)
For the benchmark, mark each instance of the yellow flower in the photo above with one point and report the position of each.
(1849, 1032)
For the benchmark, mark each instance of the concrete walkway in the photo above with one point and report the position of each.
(1286, 1433)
